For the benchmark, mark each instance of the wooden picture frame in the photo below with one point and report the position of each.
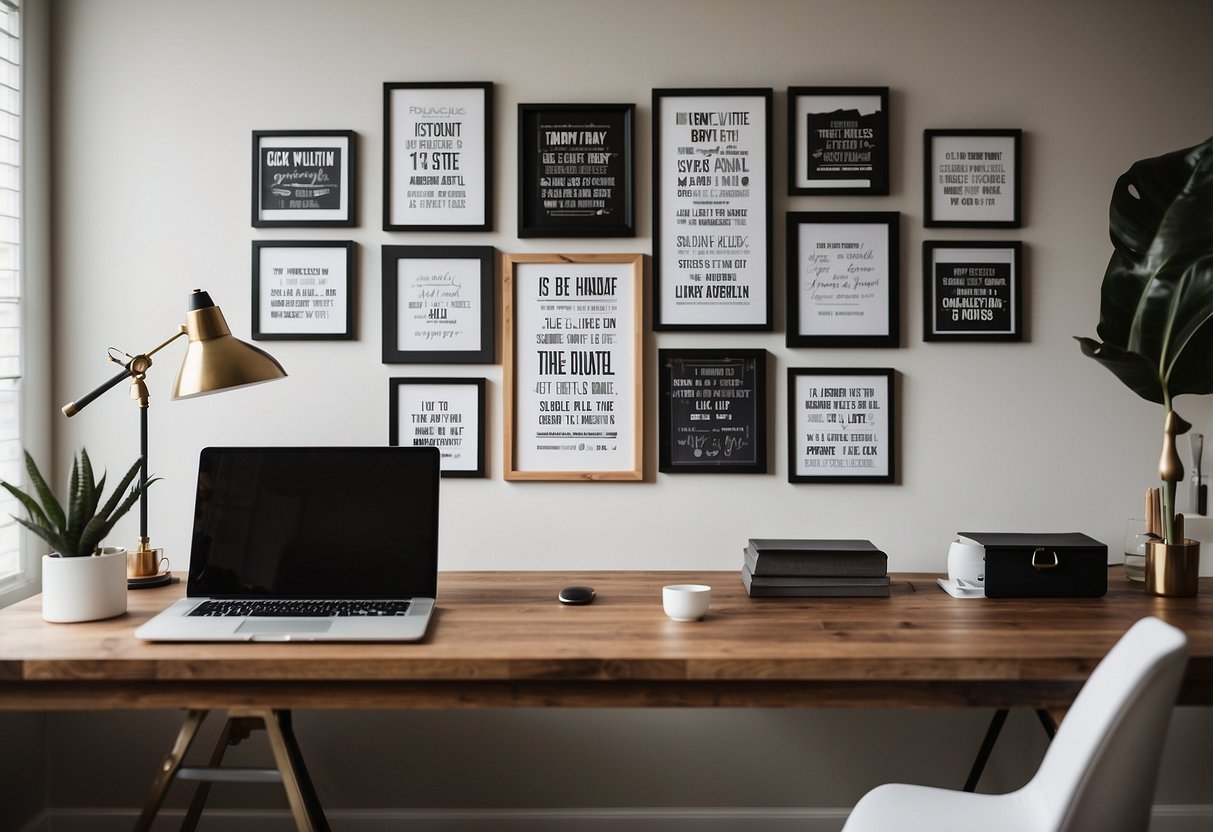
(971, 178)
(843, 279)
(304, 178)
(712, 226)
(972, 290)
(438, 156)
(447, 413)
(712, 411)
(842, 425)
(573, 368)
(838, 141)
(575, 170)
(439, 305)
(303, 290)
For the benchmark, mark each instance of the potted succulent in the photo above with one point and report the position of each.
(80, 581)
(1156, 318)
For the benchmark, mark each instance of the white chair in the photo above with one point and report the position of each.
(1098, 773)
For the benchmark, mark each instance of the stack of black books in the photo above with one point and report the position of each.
(815, 568)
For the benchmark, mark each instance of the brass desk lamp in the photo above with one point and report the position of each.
(214, 360)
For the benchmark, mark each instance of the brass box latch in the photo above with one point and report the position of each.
(1040, 558)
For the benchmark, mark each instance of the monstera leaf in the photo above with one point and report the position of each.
(1156, 305)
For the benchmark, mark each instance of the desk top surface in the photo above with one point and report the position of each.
(507, 627)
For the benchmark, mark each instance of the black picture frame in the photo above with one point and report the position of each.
(420, 413)
(972, 290)
(439, 304)
(838, 141)
(576, 170)
(711, 166)
(712, 411)
(845, 420)
(304, 178)
(965, 178)
(303, 290)
(843, 279)
(438, 156)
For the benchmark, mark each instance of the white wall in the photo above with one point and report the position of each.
(155, 103)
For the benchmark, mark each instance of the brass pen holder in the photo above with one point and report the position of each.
(1172, 569)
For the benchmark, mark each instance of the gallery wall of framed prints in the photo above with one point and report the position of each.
(573, 324)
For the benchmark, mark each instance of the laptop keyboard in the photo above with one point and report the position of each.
(297, 608)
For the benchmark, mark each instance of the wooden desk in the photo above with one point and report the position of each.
(500, 639)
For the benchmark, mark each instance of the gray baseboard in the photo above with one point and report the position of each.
(1165, 819)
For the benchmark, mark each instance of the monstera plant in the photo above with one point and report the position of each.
(1156, 304)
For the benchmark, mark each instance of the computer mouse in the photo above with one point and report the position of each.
(576, 595)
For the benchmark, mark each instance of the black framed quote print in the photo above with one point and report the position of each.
(712, 411)
(972, 178)
(575, 170)
(573, 366)
(841, 425)
(304, 178)
(712, 266)
(445, 413)
(303, 290)
(838, 141)
(843, 280)
(972, 291)
(437, 156)
(439, 305)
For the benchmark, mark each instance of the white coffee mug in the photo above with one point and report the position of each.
(686, 602)
(967, 563)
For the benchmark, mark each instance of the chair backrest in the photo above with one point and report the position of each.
(1100, 770)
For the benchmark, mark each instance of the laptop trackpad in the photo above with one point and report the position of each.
(285, 625)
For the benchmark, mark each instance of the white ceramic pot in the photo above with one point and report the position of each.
(84, 589)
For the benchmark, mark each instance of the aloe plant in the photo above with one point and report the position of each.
(79, 530)
(1156, 303)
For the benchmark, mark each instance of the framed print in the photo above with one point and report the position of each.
(447, 413)
(573, 366)
(575, 172)
(972, 178)
(838, 141)
(712, 411)
(712, 209)
(304, 178)
(841, 425)
(439, 305)
(972, 291)
(843, 279)
(437, 157)
(303, 290)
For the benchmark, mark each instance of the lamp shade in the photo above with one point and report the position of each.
(216, 360)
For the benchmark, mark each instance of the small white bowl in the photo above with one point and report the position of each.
(686, 602)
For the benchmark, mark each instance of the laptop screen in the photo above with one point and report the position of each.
(316, 522)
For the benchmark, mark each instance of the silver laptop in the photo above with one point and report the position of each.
(309, 544)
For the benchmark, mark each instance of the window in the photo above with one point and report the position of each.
(13, 565)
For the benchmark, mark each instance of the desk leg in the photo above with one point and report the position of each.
(987, 745)
(305, 805)
(234, 730)
(168, 769)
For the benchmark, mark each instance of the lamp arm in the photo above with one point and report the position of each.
(72, 408)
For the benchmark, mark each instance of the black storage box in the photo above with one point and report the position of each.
(1028, 565)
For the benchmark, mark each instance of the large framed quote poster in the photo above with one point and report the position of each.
(573, 369)
(712, 209)
(437, 156)
(842, 279)
(841, 425)
(713, 411)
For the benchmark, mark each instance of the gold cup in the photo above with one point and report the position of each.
(144, 563)
(1172, 569)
